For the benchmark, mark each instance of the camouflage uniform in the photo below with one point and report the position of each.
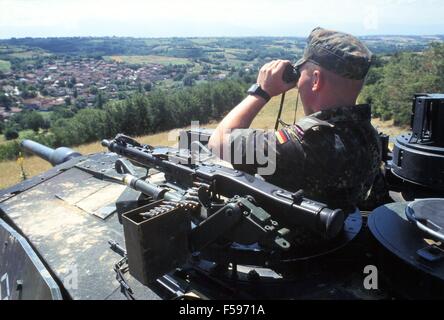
(333, 155)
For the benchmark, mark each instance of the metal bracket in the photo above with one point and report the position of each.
(431, 253)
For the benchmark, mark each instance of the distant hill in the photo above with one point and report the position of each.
(198, 47)
(395, 43)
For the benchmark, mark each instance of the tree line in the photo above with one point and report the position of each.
(140, 114)
(394, 80)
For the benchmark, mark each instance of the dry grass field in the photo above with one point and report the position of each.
(11, 172)
(5, 66)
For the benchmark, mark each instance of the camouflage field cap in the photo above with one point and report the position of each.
(338, 52)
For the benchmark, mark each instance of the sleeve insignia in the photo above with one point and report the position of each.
(281, 136)
(299, 132)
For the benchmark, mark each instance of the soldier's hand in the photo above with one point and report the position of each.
(270, 78)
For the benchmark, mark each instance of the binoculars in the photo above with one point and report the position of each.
(291, 74)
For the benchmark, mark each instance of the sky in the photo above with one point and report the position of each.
(207, 18)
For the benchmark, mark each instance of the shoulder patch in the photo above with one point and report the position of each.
(299, 132)
(281, 136)
(310, 122)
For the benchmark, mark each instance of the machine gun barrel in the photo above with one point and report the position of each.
(145, 158)
(293, 208)
(54, 156)
(150, 189)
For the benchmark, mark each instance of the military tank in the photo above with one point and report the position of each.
(144, 222)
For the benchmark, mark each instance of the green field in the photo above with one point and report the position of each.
(31, 54)
(148, 59)
(11, 49)
(5, 66)
(19, 52)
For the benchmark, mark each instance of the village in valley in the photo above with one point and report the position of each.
(59, 82)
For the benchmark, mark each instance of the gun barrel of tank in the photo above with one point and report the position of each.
(53, 156)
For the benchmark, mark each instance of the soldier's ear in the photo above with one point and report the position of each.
(317, 80)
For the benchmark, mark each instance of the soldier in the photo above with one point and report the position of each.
(333, 153)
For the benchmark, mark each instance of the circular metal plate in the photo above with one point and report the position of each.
(390, 226)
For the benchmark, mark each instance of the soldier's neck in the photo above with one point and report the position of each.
(332, 103)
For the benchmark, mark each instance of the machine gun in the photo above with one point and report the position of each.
(202, 205)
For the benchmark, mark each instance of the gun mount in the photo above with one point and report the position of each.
(254, 212)
(144, 222)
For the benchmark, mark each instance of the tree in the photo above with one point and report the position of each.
(34, 120)
(93, 90)
(148, 86)
(6, 101)
(26, 94)
(61, 112)
(188, 80)
(46, 125)
(11, 134)
(80, 103)
(100, 100)
(391, 86)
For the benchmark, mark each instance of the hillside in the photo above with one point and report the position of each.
(265, 120)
